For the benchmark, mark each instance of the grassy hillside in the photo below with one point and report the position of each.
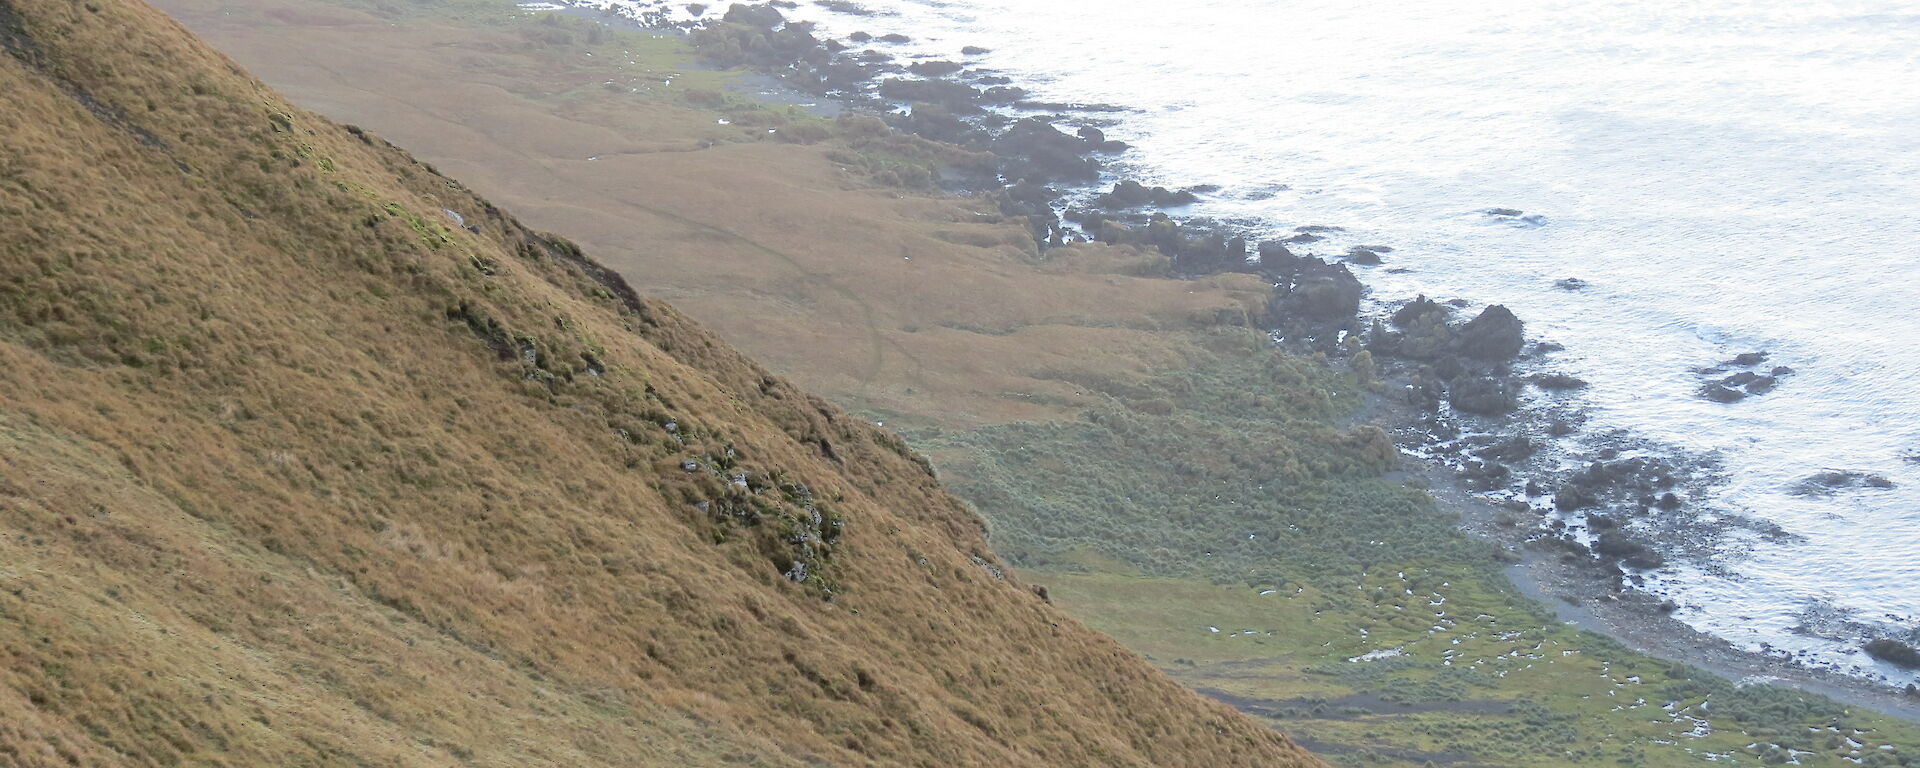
(310, 456)
(1158, 468)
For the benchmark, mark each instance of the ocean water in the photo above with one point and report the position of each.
(1725, 177)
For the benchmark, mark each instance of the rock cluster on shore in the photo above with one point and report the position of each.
(950, 101)
(1739, 385)
(1452, 366)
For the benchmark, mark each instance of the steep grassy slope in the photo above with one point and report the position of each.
(309, 456)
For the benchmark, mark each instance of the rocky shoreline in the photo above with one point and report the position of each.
(1465, 393)
(1585, 593)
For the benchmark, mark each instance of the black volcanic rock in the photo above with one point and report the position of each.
(1275, 258)
(1417, 309)
(1894, 652)
(1324, 291)
(1556, 381)
(934, 68)
(1721, 393)
(1828, 481)
(1484, 395)
(1035, 149)
(1132, 194)
(960, 98)
(759, 16)
(1631, 553)
(1495, 335)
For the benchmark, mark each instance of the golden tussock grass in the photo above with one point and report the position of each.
(890, 301)
(297, 469)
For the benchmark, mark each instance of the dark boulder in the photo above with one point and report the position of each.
(973, 50)
(1749, 358)
(1418, 309)
(894, 37)
(1035, 149)
(1570, 284)
(1516, 448)
(935, 121)
(1276, 259)
(1363, 256)
(1495, 335)
(1484, 395)
(1097, 139)
(1485, 476)
(934, 68)
(1721, 393)
(1894, 652)
(959, 98)
(1831, 480)
(1322, 292)
(1132, 194)
(1633, 554)
(1556, 381)
(1002, 95)
(758, 16)
(845, 75)
(1427, 334)
(1572, 496)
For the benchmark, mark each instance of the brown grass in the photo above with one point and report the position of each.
(923, 308)
(293, 471)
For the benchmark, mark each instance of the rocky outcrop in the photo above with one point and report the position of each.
(1484, 395)
(1035, 150)
(1828, 481)
(1740, 385)
(1132, 194)
(1496, 335)
(1315, 291)
(1894, 652)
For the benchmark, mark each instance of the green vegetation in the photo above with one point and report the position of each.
(1217, 520)
(1232, 471)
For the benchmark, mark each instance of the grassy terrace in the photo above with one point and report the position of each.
(1216, 521)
